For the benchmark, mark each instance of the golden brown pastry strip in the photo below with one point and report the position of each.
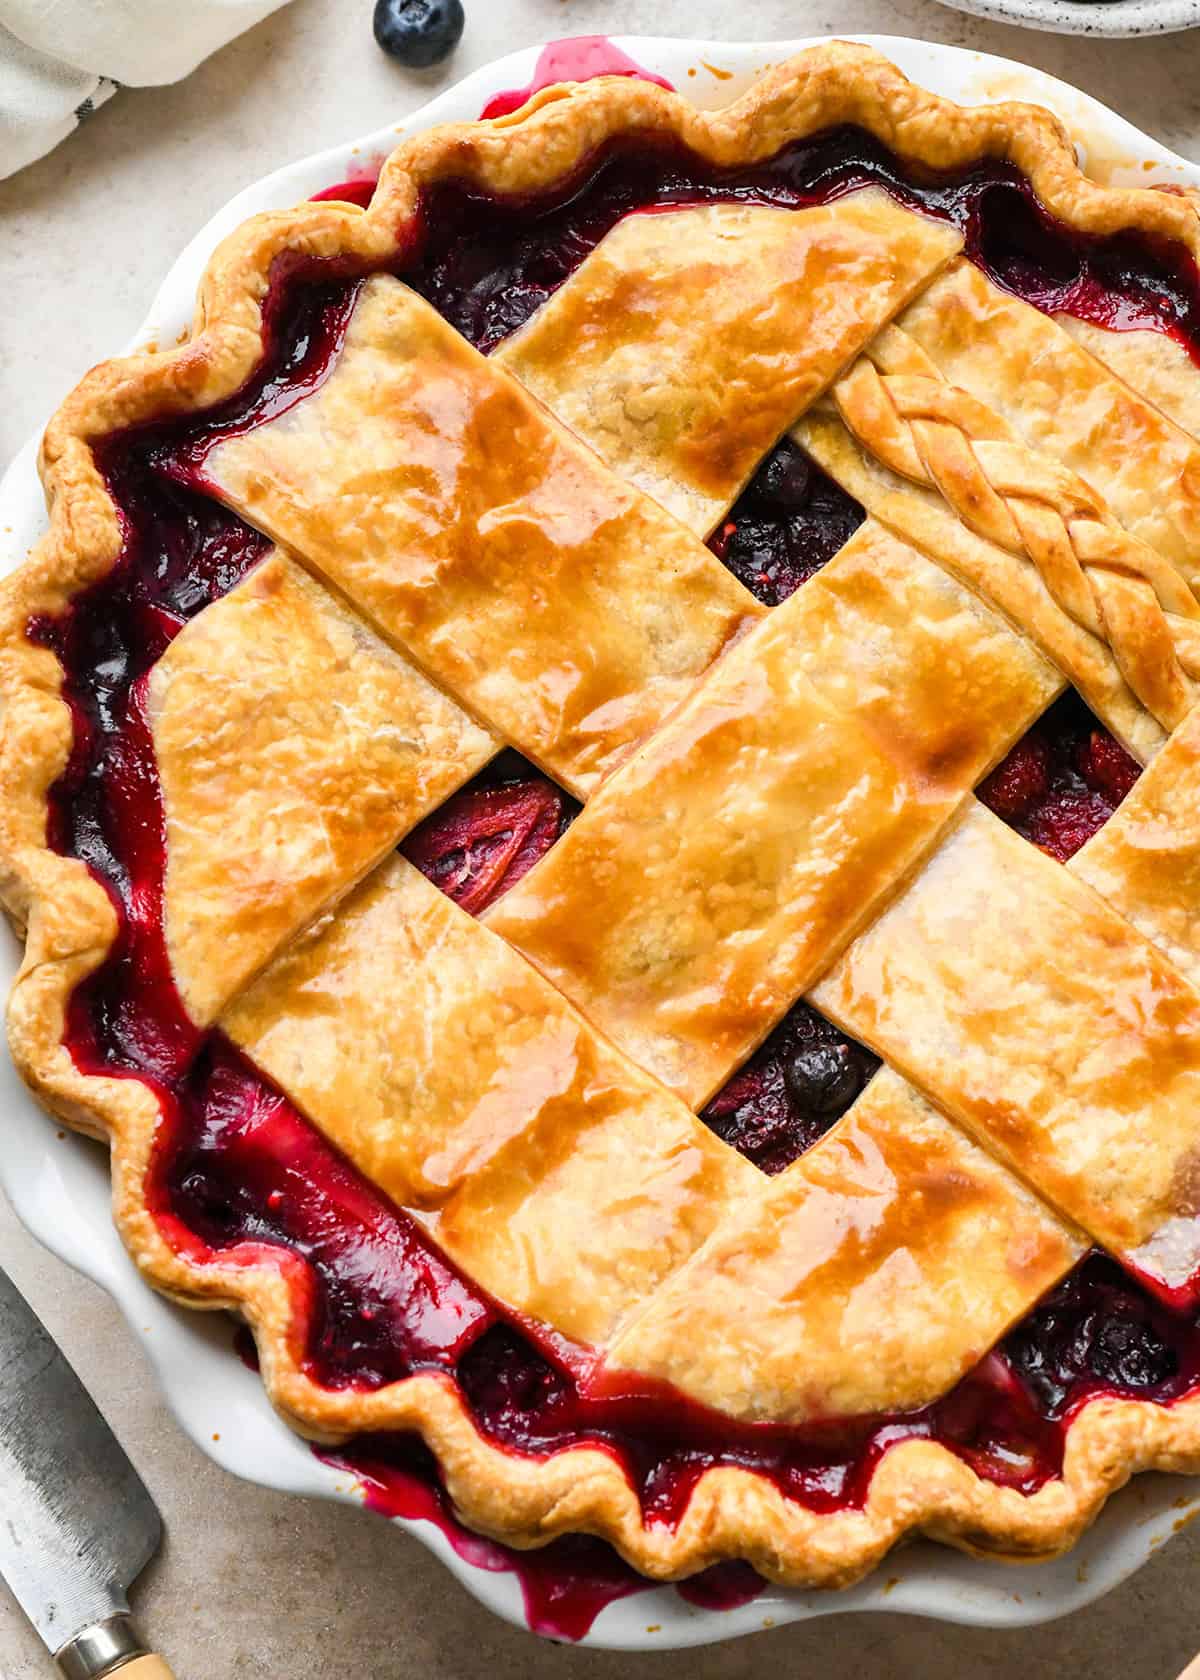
(1158, 368)
(1146, 859)
(868, 1277)
(690, 339)
(1037, 1017)
(563, 607)
(294, 749)
(458, 1080)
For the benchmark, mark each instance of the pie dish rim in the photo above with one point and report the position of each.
(1159, 203)
(1088, 17)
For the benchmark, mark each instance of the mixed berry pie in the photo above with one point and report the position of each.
(602, 780)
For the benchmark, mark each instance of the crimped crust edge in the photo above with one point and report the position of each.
(69, 920)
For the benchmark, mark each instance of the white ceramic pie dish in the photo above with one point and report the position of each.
(59, 1185)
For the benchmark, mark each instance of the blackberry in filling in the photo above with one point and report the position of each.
(1098, 1332)
(788, 522)
(239, 1168)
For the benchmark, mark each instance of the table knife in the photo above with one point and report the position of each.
(77, 1524)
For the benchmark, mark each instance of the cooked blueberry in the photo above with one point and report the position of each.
(419, 32)
(1097, 1325)
(784, 478)
(1049, 1348)
(788, 522)
(824, 1078)
(1130, 1353)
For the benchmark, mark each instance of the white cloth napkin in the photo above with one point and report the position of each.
(60, 59)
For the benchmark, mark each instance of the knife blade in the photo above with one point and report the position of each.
(77, 1523)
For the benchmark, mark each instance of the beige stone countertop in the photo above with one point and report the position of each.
(251, 1583)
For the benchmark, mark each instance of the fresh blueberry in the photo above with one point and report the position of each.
(823, 1079)
(419, 32)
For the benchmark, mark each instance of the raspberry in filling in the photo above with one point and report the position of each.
(238, 1170)
(1062, 781)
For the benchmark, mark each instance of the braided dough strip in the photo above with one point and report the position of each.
(900, 407)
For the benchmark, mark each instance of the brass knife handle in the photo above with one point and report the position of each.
(110, 1647)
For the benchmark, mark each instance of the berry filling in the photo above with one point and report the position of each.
(565, 1585)
(802, 1079)
(576, 59)
(491, 833)
(487, 264)
(1062, 781)
(240, 1176)
(359, 191)
(789, 521)
(1099, 1333)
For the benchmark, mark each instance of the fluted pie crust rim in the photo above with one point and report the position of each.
(70, 924)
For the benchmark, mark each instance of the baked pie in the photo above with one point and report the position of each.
(602, 780)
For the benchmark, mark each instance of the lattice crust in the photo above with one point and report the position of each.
(1009, 581)
(1072, 1049)
(770, 823)
(567, 1181)
(485, 540)
(571, 612)
(1146, 860)
(294, 750)
(508, 551)
(1150, 363)
(1061, 402)
(1136, 595)
(687, 343)
(857, 1254)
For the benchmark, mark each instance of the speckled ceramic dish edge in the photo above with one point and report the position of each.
(1112, 18)
(58, 1183)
